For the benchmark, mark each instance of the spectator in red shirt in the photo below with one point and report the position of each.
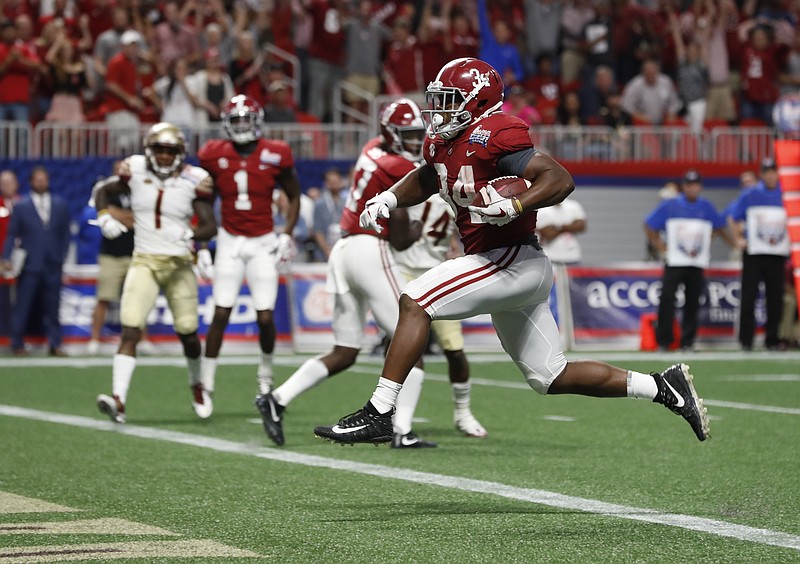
(325, 54)
(463, 38)
(402, 66)
(245, 67)
(761, 62)
(124, 93)
(434, 36)
(546, 89)
(19, 64)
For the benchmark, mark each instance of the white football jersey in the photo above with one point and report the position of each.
(438, 226)
(163, 209)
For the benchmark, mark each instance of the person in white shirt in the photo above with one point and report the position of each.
(165, 193)
(557, 227)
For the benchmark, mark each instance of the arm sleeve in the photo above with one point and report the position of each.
(513, 164)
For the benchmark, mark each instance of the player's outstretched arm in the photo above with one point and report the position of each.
(550, 182)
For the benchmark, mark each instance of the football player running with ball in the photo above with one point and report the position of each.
(504, 272)
(246, 168)
(362, 274)
(165, 193)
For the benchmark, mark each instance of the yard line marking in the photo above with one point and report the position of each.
(121, 550)
(13, 503)
(103, 526)
(530, 495)
(765, 378)
(753, 407)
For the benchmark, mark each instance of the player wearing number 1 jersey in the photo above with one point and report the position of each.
(246, 169)
(504, 272)
(165, 193)
(362, 274)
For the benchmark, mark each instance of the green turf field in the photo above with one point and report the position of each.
(558, 479)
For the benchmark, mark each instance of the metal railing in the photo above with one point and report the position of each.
(729, 145)
(307, 140)
(644, 144)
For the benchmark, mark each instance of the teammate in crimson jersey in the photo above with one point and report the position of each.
(246, 169)
(504, 272)
(362, 274)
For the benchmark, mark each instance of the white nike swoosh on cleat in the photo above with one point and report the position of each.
(272, 411)
(405, 441)
(343, 431)
(681, 401)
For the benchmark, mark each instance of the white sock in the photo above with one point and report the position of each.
(461, 394)
(407, 400)
(195, 370)
(122, 368)
(312, 372)
(209, 373)
(385, 395)
(641, 385)
(264, 372)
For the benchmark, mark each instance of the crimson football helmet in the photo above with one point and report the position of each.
(164, 148)
(464, 91)
(242, 119)
(403, 129)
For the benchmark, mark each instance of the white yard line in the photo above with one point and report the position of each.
(540, 497)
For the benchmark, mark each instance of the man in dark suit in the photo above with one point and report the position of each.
(40, 226)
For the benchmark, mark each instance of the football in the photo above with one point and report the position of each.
(506, 187)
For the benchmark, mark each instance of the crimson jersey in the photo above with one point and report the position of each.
(245, 184)
(376, 171)
(466, 164)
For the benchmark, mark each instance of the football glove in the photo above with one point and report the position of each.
(205, 265)
(499, 212)
(377, 208)
(110, 228)
(284, 249)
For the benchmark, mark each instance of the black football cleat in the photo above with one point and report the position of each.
(411, 440)
(676, 392)
(271, 416)
(359, 427)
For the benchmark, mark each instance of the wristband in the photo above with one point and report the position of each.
(517, 204)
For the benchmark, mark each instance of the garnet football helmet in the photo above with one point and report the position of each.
(169, 142)
(464, 91)
(403, 129)
(242, 119)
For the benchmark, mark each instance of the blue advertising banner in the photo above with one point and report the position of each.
(78, 302)
(608, 304)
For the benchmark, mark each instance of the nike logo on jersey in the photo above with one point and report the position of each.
(470, 153)
(681, 401)
(344, 431)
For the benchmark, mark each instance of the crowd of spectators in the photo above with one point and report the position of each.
(635, 61)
